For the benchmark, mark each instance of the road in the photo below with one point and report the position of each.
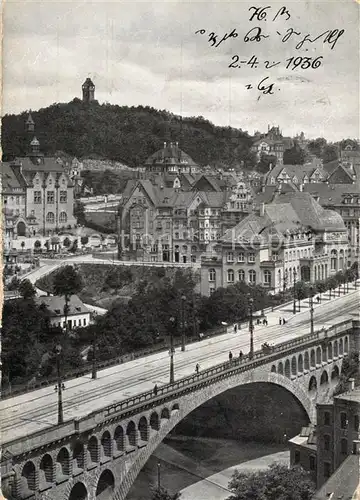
(37, 410)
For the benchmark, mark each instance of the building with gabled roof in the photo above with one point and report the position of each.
(291, 238)
(171, 159)
(78, 315)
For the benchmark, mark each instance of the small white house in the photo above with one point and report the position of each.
(78, 313)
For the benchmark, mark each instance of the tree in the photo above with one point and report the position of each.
(66, 242)
(67, 282)
(14, 284)
(27, 290)
(84, 240)
(330, 153)
(79, 212)
(162, 494)
(301, 290)
(37, 245)
(294, 156)
(265, 162)
(278, 482)
(316, 146)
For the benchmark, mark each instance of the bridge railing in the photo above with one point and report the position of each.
(244, 364)
(77, 425)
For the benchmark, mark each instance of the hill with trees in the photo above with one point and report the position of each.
(126, 134)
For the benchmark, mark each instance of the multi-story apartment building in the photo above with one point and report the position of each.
(345, 200)
(292, 238)
(272, 143)
(38, 196)
(330, 446)
(295, 174)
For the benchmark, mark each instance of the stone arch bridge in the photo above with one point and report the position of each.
(100, 455)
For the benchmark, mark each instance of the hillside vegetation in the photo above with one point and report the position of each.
(126, 134)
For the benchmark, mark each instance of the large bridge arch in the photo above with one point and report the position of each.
(190, 402)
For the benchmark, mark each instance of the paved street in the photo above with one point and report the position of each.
(31, 412)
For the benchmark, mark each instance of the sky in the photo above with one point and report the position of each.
(148, 53)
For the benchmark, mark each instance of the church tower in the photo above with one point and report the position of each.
(88, 91)
(30, 124)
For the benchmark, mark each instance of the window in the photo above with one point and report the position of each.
(167, 224)
(327, 418)
(63, 217)
(230, 276)
(343, 420)
(211, 290)
(63, 196)
(177, 236)
(50, 217)
(327, 472)
(241, 257)
(50, 197)
(241, 275)
(230, 257)
(356, 423)
(312, 462)
(252, 277)
(185, 235)
(84, 321)
(326, 442)
(267, 277)
(343, 446)
(251, 257)
(297, 457)
(37, 196)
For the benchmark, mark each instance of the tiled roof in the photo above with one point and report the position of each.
(296, 170)
(331, 194)
(331, 166)
(55, 305)
(344, 483)
(10, 179)
(47, 165)
(310, 213)
(171, 154)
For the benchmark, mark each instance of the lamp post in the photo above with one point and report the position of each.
(311, 310)
(251, 327)
(172, 350)
(60, 386)
(294, 305)
(93, 371)
(183, 300)
(339, 290)
(285, 281)
(158, 475)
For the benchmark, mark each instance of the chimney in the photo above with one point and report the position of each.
(351, 384)
(262, 209)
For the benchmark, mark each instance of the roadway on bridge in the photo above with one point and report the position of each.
(37, 410)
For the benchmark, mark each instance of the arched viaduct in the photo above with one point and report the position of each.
(99, 456)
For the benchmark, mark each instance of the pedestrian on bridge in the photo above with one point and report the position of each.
(230, 356)
(155, 390)
(241, 354)
(280, 321)
(197, 368)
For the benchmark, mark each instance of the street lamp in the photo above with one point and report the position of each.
(311, 310)
(183, 300)
(251, 327)
(294, 305)
(60, 385)
(93, 371)
(172, 350)
(339, 290)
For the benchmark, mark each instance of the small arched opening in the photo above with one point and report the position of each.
(312, 358)
(335, 373)
(131, 433)
(78, 492)
(312, 385)
(93, 448)
(106, 451)
(306, 361)
(105, 486)
(287, 368)
(318, 355)
(63, 462)
(336, 350)
(281, 368)
(324, 378)
(78, 456)
(154, 421)
(273, 369)
(293, 366)
(324, 354)
(346, 345)
(29, 476)
(330, 351)
(165, 414)
(143, 429)
(341, 347)
(300, 363)
(46, 472)
(119, 439)
(175, 407)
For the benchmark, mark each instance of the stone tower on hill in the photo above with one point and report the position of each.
(88, 90)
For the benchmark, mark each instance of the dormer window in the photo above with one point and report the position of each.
(78, 309)
(57, 311)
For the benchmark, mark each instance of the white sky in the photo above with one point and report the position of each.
(147, 53)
